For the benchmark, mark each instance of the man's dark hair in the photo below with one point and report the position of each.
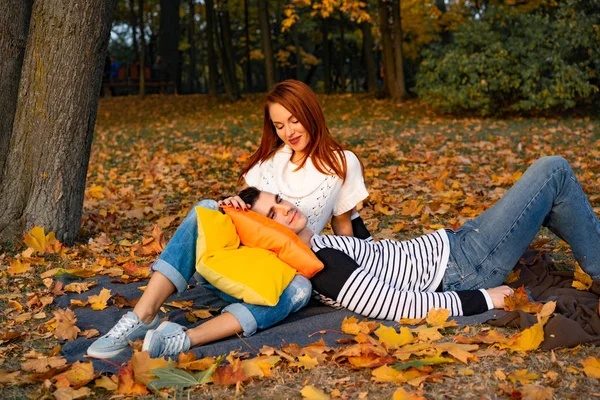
(249, 195)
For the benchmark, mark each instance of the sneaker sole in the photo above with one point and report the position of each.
(106, 354)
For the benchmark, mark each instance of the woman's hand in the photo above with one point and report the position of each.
(234, 201)
(498, 293)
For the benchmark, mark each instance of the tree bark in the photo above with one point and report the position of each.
(263, 15)
(400, 91)
(210, 41)
(370, 65)
(14, 25)
(45, 172)
(192, 42)
(168, 39)
(142, 51)
(389, 85)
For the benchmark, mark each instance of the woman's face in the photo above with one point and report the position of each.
(290, 130)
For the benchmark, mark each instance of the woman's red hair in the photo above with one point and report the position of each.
(326, 154)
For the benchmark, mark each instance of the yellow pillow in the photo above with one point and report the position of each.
(253, 275)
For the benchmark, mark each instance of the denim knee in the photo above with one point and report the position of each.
(552, 162)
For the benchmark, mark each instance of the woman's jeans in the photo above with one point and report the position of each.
(484, 250)
(178, 263)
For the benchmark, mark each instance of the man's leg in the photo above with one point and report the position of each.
(548, 194)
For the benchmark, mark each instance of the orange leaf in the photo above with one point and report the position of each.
(226, 375)
(522, 376)
(312, 393)
(582, 280)
(437, 316)
(142, 364)
(17, 267)
(520, 301)
(353, 327)
(79, 374)
(529, 339)
(591, 367)
(127, 385)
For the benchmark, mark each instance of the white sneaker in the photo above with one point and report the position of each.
(129, 328)
(168, 340)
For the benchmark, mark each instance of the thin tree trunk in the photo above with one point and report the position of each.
(142, 51)
(210, 42)
(192, 42)
(14, 25)
(342, 64)
(326, 55)
(370, 65)
(45, 172)
(230, 63)
(223, 57)
(168, 40)
(389, 71)
(400, 92)
(263, 15)
(248, 63)
(299, 69)
(133, 22)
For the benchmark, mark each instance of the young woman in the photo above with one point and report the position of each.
(298, 159)
(459, 270)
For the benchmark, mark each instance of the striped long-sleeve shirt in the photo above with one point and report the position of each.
(390, 279)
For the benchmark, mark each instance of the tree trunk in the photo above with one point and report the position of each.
(14, 25)
(389, 85)
(133, 22)
(400, 91)
(142, 51)
(168, 40)
(263, 15)
(192, 42)
(210, 41)
(230, 63)
(342, 64)
(369, 58)
(45, 172)
(299, 67)
(326, 55)
(248, 63)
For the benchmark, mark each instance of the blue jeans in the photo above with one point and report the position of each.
(178, 263)
(484, 250)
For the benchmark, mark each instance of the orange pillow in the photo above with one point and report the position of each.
(256, 230)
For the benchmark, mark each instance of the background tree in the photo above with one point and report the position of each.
(43, 179)
(168, 42)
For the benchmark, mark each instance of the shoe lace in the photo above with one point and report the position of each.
(121, 328)
(173, 344)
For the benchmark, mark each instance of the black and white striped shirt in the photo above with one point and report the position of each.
(394, 279)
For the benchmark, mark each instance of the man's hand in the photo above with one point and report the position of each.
(498, 293)
(234, 201)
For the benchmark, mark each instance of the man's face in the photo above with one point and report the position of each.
(279, 210)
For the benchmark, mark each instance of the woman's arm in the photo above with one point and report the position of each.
(342, 224)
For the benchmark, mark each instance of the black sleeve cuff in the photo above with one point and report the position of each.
(473, 302)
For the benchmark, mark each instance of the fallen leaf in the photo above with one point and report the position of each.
(522, 376)
(98, 302)
(65, 325)
(312, 393)
(392, 339)
(591, 367)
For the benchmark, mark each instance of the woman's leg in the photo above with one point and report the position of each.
(235, 318)
(548, 194)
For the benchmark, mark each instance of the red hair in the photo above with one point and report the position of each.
(326, 154)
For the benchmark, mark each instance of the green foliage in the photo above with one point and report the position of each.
(546, 59)
(173, 377)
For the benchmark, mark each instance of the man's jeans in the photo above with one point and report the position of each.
(178, 263)
(484, 250)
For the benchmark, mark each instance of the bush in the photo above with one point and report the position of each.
(543, 60)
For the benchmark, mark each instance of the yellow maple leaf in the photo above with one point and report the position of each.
(312, 393)
(522, 376)
(459, 351)
(306, 362)
(40, 242)
(581, 281)
(79, 374)
(141, 365)
(385, 373)
(351, 326)
(392, 339)
(591, 367)
(17, 267)
(401, 394)
(68, 393)
(529, 339)
(98, 301)
(106, 383)
(437, 316)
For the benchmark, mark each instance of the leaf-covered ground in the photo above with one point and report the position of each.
(153, 159)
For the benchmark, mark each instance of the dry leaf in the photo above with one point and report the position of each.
(312, 393)
(591, 367)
